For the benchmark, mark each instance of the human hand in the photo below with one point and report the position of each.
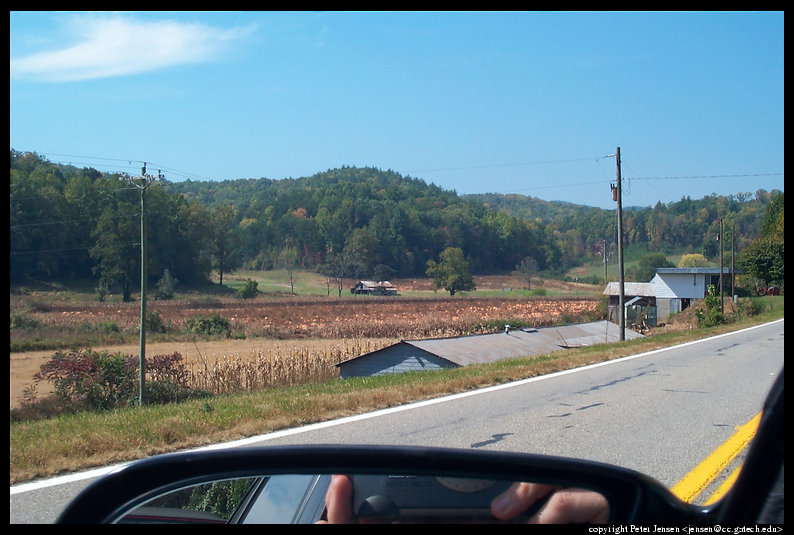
(564, 505)
(339, 501)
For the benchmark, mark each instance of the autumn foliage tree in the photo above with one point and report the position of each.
(764, 258)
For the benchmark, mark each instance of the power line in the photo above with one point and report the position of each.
(183, 174)
(539, 162)
(558, 184)
(89, 157)
(64, 250)
(69, 221)
(188, 174)
(692, 177)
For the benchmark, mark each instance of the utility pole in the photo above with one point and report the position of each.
(617, 195)
(606, 279)
(604, 251)
(722, 286)
(142, 183)
(733, 271)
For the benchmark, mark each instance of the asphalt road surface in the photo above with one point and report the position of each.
(659, 413)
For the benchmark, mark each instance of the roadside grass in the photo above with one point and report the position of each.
(74, 442)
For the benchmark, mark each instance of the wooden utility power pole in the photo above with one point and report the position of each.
(142, 183)
(618, 196)
(722, 286)
(733, 270)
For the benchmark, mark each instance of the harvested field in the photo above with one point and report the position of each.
(364, 317)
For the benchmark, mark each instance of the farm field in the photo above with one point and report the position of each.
(329, 329)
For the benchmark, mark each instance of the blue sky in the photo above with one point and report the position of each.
(508, 102)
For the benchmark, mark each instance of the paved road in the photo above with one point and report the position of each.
(660, 413)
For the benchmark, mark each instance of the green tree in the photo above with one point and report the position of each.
(225, 240)
(764, 258)
(178, 236)
(361, 249)
(772, 225)
(117, 247)
(451, 272)
(382, 272)
(646, 269)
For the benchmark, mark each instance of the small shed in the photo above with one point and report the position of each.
(639, 302)
(373, 288)
(437, 353)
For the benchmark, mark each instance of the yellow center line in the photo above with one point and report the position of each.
(724, 487)
(703, 474)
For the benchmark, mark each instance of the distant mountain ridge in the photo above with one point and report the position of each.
(362, 216)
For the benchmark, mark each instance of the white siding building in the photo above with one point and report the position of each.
(675, 288)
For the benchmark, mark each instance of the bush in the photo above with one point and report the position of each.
(249, 290)
(168, 379)
(712, 315)
(32, 409)
(23, 321)
(102, 291)
(750, 307)
(165, 287)
(154, 323)
(88, 380)
(107, 327)
(209, 325)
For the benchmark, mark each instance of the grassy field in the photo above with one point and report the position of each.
(276, 282)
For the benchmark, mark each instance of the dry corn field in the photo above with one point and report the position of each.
(275, 366)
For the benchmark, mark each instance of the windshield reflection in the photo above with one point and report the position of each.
(307, 498)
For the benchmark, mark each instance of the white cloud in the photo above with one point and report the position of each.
(116, 46)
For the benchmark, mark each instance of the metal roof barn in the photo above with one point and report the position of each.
(437, 353)
(633, 289)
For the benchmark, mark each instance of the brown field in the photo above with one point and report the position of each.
(328, 329)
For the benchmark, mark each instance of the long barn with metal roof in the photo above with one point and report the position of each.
(437, 353)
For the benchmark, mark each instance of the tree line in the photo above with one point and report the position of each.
(70, 223)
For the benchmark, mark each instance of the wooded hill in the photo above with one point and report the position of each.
(69, 223)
